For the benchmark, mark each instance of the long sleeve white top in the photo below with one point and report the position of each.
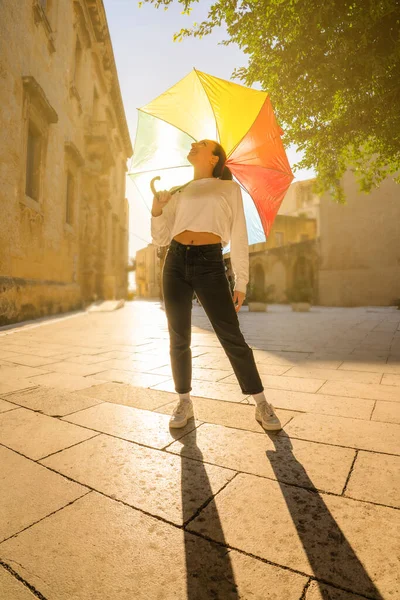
(211, 205)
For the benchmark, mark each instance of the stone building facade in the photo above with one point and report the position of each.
(358, 243)
(64, 144)
(289, 253)
(360, 247)
(149, 265)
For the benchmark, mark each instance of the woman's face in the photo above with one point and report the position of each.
(201, 154)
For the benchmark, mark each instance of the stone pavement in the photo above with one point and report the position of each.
(100, 500)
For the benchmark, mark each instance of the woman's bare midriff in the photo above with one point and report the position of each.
(197, 238)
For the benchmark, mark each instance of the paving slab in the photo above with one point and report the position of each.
(132, 365)
(91, 350)
(22, 501)
(284, 356)
(132, 424)
(13, 385)
(71, 368)
(159, 483)
(206, 389)
(51, 401)
(375, 478)
(129, 395)
(211, 362)
(334, 374)
(120, 354)
(200, 373)
(319, 591)
(86, 359)
(390, 379)
(360, 390)
(43, 352)
(372, 367)
(239, 416)
(131, 377)
(94, 549)
(63, 381)
(353, 433)
(298, 384)
(36, 435)
(321, 362)
(275, 456)
(152, 357)
(319, 403)
(30, 360)
(12, 589)
(337, 540)
(272, 369)
(5, 354)
(388, 412)
(5, 406)
(20, 372)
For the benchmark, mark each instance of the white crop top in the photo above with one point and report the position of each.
(211, 205)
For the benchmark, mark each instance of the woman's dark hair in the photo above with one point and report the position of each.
(221, 171)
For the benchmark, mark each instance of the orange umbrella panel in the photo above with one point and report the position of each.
(241, 119)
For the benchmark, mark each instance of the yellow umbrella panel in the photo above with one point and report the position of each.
(241, 119)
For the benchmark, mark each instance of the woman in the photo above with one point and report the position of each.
(197, 220)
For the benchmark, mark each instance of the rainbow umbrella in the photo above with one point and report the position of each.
(201, 106)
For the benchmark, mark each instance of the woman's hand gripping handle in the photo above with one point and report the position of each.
(160, 199)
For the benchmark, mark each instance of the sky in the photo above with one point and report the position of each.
(149, 62)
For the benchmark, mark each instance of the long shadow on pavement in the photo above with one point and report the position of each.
(209, 572)
(329, 553)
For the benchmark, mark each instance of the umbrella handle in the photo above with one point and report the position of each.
(153, 189)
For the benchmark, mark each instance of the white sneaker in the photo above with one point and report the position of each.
(266, 416)
(182, 412)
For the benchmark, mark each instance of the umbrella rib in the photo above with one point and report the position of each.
(168, 123)
(141, 195)
(242, 138)
(212, 108)
(161, 169)
(242, 186)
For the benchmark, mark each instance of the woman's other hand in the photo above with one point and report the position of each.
(159, 201)
(238, 298)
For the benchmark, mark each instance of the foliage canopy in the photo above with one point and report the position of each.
(332, 70)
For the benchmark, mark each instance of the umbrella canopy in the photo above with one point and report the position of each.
(241, 119)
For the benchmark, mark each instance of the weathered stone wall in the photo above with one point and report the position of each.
(279, 266)
(23, 299)
(148, 272)
(59, 82)
(360, 247)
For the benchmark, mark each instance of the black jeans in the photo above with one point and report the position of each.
(202, 269)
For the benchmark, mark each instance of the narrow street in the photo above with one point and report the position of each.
(102, 501)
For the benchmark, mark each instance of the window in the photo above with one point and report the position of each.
(70, 196)
(33, 158)
(38, 114)
(78, 63)
(73, 162)
(96, 105)
(43, 14)
(114, 241)
(123, 178)
(279, 238)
